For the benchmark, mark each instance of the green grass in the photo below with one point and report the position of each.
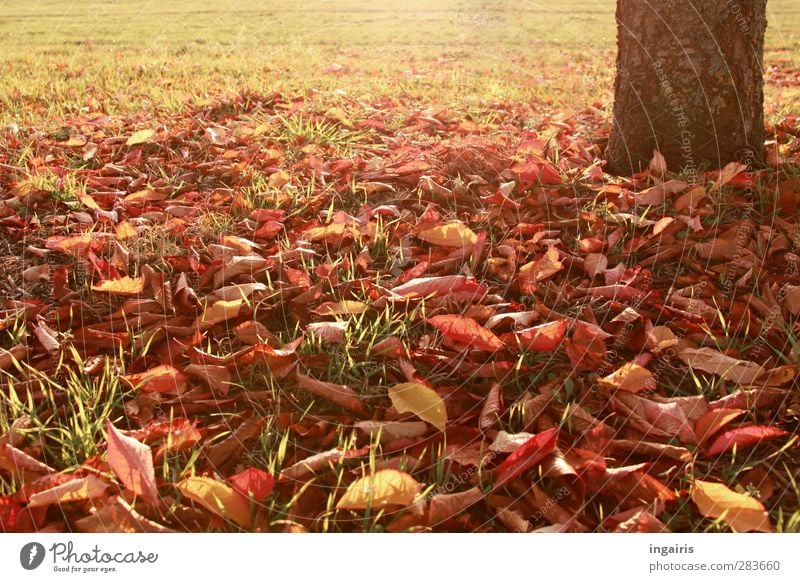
(60, 57)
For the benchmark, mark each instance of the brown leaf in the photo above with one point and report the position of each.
(337, 393)
(118, 517)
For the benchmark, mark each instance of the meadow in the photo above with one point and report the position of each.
(355, 266)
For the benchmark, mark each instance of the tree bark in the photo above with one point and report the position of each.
(689, 83)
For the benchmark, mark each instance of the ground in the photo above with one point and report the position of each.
(333, 266)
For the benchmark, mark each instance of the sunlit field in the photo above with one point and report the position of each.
(357, 266)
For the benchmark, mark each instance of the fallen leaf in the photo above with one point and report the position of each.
(125, 286)
(163, 379)
(139, 137)
(466, 331)
(532, 452)
(379, 490)
(341, 308)
(454, 235)
(630, 377)
(337, 393)
(715, 362)
(132, 462)
(540, 338)
(218, 498)
(713, 421)
(118, 517)
(741, 512)
(220, 311)
(89, 487)
(253, 482)
(421, 401)
(444, 506)
(743, 436)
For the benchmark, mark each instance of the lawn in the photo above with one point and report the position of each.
(355, 266)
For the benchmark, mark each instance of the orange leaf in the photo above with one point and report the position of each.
(711, 422)
(454, 236)
(70, 245)
(126, 286)
(219, 311)
(467, 331)
(630, 377)
(163, 379)
(741, 512)
(146, 195)
(541, 338)
(218, 498)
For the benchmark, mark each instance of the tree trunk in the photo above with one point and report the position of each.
(689, 84)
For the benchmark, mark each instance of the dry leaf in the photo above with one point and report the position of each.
(420, 400)
(381, 489)
(741, 512)
(218, 498)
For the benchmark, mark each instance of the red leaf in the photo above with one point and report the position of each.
(713, 421)
(743, 436)
(465, 330)
(255, 481)
(530, 453)
(133, 463)
(541, 338)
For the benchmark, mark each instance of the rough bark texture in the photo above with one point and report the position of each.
(689, 83)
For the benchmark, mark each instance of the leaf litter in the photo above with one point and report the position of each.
(453, 326)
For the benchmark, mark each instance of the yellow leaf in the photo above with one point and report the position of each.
(123, 286)
(140, 136)
(741, 512)
(220, 311)
(454, 235)
(70, 245)
(341, 308)
(87, 200)
(387, 487)
(76, 141)
(335, 230)
(146, 195)
(125, 230)
(279, 179)
(420, 400)
(631, 378)
(218, 498)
